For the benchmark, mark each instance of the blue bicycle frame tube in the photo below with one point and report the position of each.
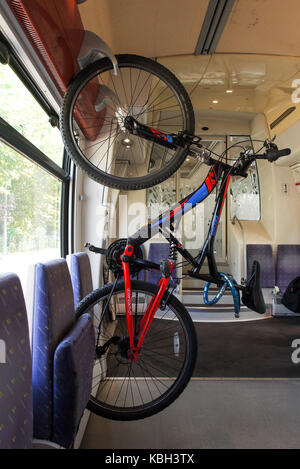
(164, 223)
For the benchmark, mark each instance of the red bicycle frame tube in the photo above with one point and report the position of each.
(128, 297)
(151, 308)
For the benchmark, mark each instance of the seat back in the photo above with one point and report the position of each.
(81, 275)
(262, 253)
(15, 367)
(63, 356)
(288, 264)
(157, 252)
(73, 372)
(54, 316)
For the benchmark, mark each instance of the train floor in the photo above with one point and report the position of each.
(212, 413)
(245, 393)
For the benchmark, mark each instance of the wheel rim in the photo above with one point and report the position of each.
(123, 386)
(107, 147)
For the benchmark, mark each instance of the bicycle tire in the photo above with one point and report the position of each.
(77, 86)
(181, 322)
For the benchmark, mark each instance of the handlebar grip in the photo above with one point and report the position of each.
(284, 152)
(95, 249)
(274, 155)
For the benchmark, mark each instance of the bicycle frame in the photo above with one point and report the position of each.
(220, 172)
(158, 225)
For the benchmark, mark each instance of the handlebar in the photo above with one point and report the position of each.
(197, 150)
(95, 249)
(272, 154)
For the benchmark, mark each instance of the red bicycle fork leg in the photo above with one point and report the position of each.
(150, 313)
(146, 315)
(128, 297)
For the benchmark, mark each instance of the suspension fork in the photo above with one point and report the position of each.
(151, 308)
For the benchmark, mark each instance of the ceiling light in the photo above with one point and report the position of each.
(127, 142)
(215, 101)
(229, 91)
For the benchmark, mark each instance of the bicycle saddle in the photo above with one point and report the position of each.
(252, 296)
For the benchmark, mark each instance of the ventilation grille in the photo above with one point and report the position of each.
(283, 116)
(21, 15)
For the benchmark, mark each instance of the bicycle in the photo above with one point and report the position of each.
(146, 343)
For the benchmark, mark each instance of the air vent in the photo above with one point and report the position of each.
(23, 18)
(282, 117)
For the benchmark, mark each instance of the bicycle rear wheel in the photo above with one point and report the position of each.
(95, 106)
(125, 390)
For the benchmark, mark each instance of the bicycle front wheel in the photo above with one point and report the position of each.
(125, 390)
(95, 106)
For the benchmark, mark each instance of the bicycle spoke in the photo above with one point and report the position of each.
(141, 90)
(138, 388)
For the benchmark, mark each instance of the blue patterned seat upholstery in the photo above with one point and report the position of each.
(63, 356)
(81, 276)
(288, 264)
(72, 379)
(15, 367)
(158, 252)
(262, 253)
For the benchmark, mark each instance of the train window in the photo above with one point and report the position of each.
(161, 197)
(244, 193)
(30, 212)
(33, 184)
(20, 109)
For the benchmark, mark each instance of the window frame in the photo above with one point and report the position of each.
(11, 137)
(26, 79)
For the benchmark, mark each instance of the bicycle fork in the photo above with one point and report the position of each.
(136, 338)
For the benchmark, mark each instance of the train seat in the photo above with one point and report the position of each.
(262, 253)
(157, 252)
(16, 423)
(81, 276)
(62, 355)
(287, 268)
(288, 264)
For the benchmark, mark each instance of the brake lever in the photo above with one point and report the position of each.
(270, 145)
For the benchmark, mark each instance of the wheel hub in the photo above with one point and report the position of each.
(121, 115)
(123, 352)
